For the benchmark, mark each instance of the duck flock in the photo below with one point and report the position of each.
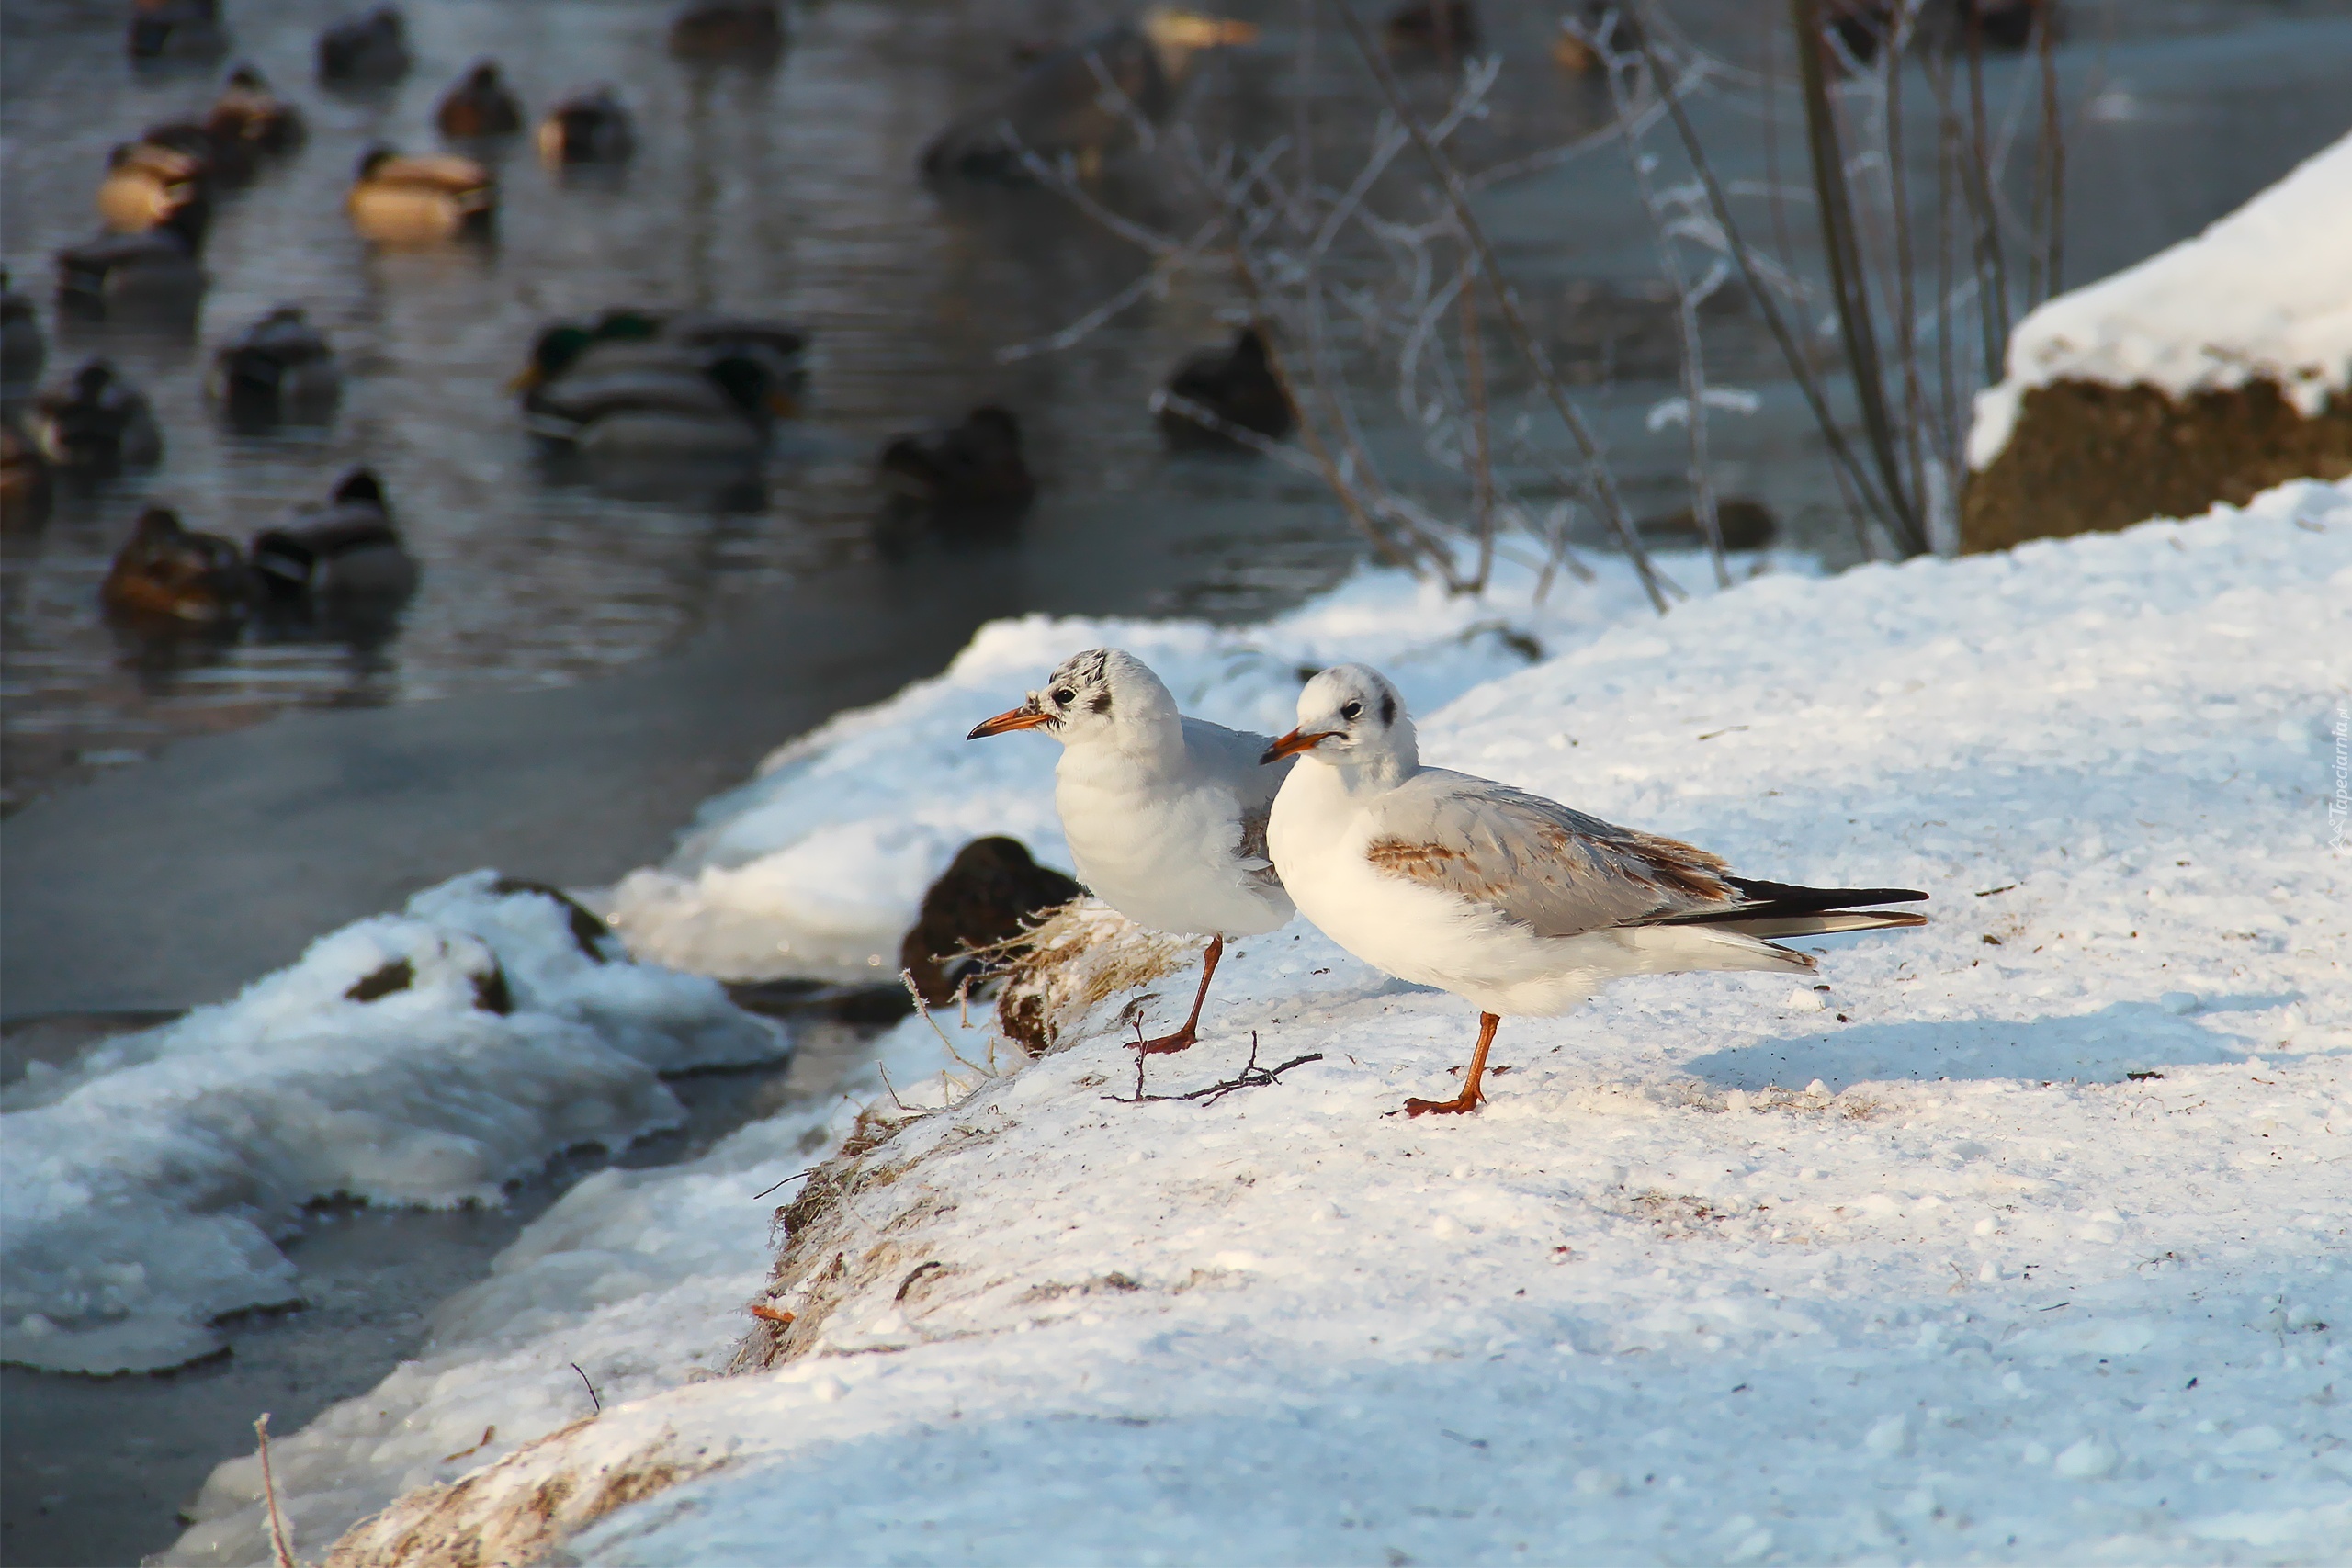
(632, 383)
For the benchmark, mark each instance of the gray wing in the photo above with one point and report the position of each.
(1537, 862)
(1231, 756)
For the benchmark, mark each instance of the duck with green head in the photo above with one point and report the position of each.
(639, 384)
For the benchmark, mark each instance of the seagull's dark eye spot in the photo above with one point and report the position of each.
(1352, 712)
(1064, 695)
(1388, 708)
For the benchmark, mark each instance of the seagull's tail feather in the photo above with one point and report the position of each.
(1811, 925)
(1778, 909)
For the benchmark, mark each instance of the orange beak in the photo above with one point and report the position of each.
(1011, 719)
(1291, 745)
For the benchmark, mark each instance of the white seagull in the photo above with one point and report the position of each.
(1516, 904)
(1166, 815)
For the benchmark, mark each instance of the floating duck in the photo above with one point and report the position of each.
(750, 34)
(682, 407)
(408, 200)
(154, 270)
(480, 106)
(975, 467)
(369, 48)
(23, 349)
(148, 181)
(251, 119)
(282, 367)
(641, 385)
(1430, 30)
(97, 424)
(589, 128)
(345, 556)
(1060, 109)
(25, 489)
(177, 29)
(169, 576)
(1238, 385)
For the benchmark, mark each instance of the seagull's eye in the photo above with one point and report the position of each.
(1064, 695)
(1352, 712)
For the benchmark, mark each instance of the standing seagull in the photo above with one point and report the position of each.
(1166, 815)
(1514, 903)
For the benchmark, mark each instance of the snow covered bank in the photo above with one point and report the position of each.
(818, 866)
(2025, 1241)
(423, 1058)
(2263, 294)
(2211, 369)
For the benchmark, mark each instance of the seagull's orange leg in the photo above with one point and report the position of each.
(1467, 1100)
(1183, 1038)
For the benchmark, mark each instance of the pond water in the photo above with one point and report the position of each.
(792, 193)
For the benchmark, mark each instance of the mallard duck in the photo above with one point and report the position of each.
(154, 270)
(680, 406)
(23, 482)
(23, 349)
(480, 106)
(1430, 30)
(344, 554)
(170, 576)
(1058, 107)
(248, 115)
(973, 466)
(628, 338)
(591, 127)
(146, 182)
(373, 48)
(408, 200)
(282, 367)
(744, 33)
(1238, 385)
(179, 30)
(97, 424)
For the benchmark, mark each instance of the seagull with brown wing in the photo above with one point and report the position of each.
(1165, 814)
(1519, 905)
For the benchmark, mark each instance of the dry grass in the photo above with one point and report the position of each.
(1059, 972)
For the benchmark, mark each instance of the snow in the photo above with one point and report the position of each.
(2260, 295)
(818, 866)
(142, 1188)
(2024, 1241)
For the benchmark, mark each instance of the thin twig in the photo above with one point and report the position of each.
(591, 1387)
(1252, 1076)
(281, 1547)
(1449, 179)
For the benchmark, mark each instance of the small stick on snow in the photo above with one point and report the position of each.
(281, 1552)
(1252, 1076)
(590, 1388)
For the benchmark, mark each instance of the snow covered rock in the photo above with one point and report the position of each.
(421, 1058)
(2214, 369)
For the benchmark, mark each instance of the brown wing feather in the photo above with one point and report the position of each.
(1535, 861)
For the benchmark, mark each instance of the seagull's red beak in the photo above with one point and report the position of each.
(1291, 745)
(1011, 719)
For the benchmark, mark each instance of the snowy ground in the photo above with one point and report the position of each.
(2260, 295)
(423, 1058)
(2029, 1239)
